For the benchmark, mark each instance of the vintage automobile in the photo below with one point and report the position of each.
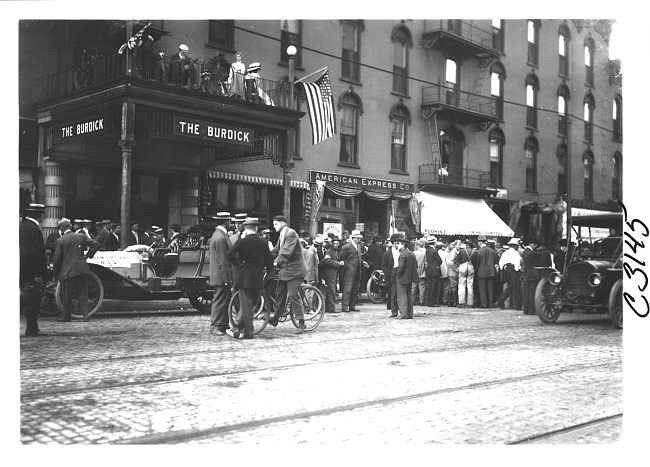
(377, 286)
(591, 278)
(142, 272)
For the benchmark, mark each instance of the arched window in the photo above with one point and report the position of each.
(563, 96)
(400, 119)
(402, 42)
(617, 176)
(497, 142)
(561, 169)
(497, 79)
(531, 148)
(564, 40)
(590, 49)
(588, 163)
(350, 109)
(533, 41)
(532, 88)
(617, 116)
(589, 106)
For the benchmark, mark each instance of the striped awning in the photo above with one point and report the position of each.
(253, 180)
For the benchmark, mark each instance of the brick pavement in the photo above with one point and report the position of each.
(448, 376)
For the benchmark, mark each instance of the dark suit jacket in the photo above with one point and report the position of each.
(433, 262)
(220, 271)
(407, 267)
(112, 243)
(101, 238)
(328, 267)
(486, 259)
(351, 256)
(387, 263)
(68, 260)
(288, 256)
(529, 258)
(32, 251)
(250, 255)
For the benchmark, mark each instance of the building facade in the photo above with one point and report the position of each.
(523, 114)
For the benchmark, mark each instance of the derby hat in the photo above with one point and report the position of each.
(251, 222)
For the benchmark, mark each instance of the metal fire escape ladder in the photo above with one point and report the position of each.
(474, 99)
(434, 137)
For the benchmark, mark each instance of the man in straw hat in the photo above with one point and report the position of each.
(407, 273)
(352, 264)
(250, 256)
(104, 233)
(32, 265)
(221, 275)
(510, 264)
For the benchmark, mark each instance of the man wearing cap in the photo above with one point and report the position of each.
(221, 275)
(180, 65)
(510, 264)
(407, 273)
(70, 268)
(250, 255)
(103, 234)
(328, 268)
(288, 259)
(352, 263)
(32, 264)
(433, 273)
(485, 271)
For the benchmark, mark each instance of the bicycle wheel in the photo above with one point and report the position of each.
(313, 305)
(260, 313)
(95, 297)
(48, 301)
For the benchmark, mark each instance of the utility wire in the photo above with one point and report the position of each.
(411, 78)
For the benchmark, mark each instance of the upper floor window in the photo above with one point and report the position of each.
(402, 43)
(290, 34)
(617, 117)
(497, 79)
(497, 34)
(497, 142)
(533, 42)
(400, 118)
(531, 148)
(532, 87)
(452, 80)
(221, 34)
(562, 103)
(589, 105)
(351, 50)
(561, 169)
(349, 111)
(588, 163)
(564, 39)
(617, 176)
(590, 48)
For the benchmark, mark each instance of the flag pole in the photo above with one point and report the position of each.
(288, 164)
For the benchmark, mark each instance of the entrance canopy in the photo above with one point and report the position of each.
(446, 215)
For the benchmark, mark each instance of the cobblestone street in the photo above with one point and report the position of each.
(449, 376)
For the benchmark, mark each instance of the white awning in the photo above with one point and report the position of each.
(446, 215)
(253, 180)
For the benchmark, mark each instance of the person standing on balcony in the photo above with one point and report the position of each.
(443, 174)
(236, 76)
(182, 68)
(149, 64)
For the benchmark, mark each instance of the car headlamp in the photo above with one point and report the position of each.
(594, 279)
(555, 278)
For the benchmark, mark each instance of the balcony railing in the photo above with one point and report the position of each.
(465, 29)
(465, 176)
(437, 95)
(202, 76)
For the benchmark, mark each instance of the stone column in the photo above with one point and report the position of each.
(190, 201)
(54, 196)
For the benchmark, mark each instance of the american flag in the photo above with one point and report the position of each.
(320, 104)
(135, 41)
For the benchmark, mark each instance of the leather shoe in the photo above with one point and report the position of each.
(273, 321)
(234, 334)
(355, 309)
(217, 332)
(35, 334)
(393, 316)
(64, 320)
(301, 328)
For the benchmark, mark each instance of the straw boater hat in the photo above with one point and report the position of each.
(355, 233)
(514, 241)
(255, 66)
(251, 222)
(222, 216)
(35, 207)
(241, 217)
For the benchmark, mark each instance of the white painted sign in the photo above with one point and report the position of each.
(115, 259)
(335, 228)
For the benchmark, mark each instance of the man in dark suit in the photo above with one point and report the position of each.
(250, 255)
(433, 273)
(486, 260)
(71, 269)
(174, 238)
(49, 242)
(352, 265)
(328, 269)
(288, 258)
(407, 273)
(221, 275)
(113, 239)
(103, 234)
(389, 266)
(134, 234)
(32, 265)
(529, 259)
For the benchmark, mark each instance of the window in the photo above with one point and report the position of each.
(590, 47)
(617, 177)
(402, 42)
(589, 106)
(400, 118)
(452, 80)
(561, 170)
(564, 38)
(533, 42)
(221, 34)
(617, 116)
(532, 148)
(497, 34)
(562, 102)
(532, 86)
(349, 111)
(588, 163)
(290, 34)
(497, 79)
(497, 141)
(350, 54)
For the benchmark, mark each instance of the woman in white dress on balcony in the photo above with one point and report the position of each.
(236, 77)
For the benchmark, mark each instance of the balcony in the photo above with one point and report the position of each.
(460, 34)
(468, 106)
(202, 76)
(463, 178)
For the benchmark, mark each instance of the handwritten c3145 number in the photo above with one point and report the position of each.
(633, 243)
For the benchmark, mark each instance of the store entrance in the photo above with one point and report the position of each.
(373, 214)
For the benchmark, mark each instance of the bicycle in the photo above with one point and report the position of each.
(312, 300)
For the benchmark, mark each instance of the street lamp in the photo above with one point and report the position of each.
(291, 52)
(287, 164)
